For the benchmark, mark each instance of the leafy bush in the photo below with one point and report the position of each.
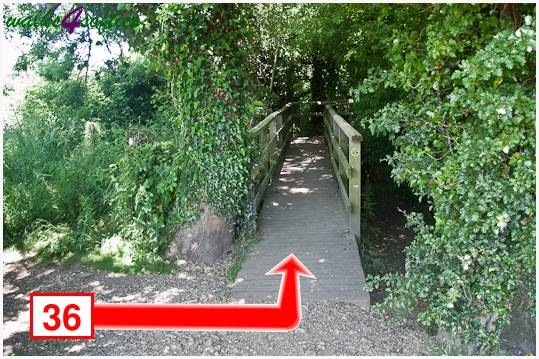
(150, 196)
(464, 134)
(128, 89)
(49, 177)
(57, 159)
(188, 141)
(202, 153)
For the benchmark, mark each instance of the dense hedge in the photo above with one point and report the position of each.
(168, 134)
(57, 156)
(201, 152)
(464, 133)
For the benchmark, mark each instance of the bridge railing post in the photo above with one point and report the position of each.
(341, 137)
(344, 143)
(263, 141)
(279, 124)
(354, 184)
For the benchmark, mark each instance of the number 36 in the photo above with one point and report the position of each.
(66, 317)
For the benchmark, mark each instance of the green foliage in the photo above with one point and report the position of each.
(188, 141)
(464, 135)
(369, 230)
(128, 89)
(204, 153)
(50, 174)
(151, 196)
(57, 159)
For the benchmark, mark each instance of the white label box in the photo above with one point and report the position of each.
(61, 316)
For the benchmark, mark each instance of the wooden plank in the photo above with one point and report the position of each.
(272, 127)
(343, 161)
(331, 134)
(341, 185)
(285, 124)
(341, 137)
(264, 123)
(270, 138)
(342, 189)
(259, 192)
(348, 130)
(264, 158)
(327, 134)
(279, 121)
(328, 143)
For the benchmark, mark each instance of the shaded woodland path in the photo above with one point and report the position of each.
(303, 213)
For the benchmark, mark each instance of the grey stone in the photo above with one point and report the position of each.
(519, 337)
(204, 241)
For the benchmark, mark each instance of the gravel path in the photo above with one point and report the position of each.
(326, 329)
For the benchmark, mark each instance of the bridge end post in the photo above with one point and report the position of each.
(354, 184)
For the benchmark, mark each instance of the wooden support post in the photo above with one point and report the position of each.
(354, 184)
(273, 132)
(279, 121)
(272, 129)
(341, 136)
(287, 115)
(273, 142)
(263, 141)
(280, 132)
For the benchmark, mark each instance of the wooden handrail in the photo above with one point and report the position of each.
(265, 122)
(272, 115)
(343, 125)
(344, 143)
(273, 133)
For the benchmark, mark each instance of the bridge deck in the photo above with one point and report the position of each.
(303, 214)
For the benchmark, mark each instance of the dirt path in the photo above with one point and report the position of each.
(326, 329)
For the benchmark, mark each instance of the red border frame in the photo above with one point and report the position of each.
(62, 294)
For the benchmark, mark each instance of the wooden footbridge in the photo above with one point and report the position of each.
(308, 194)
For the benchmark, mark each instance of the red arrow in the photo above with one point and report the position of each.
(283, 316)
